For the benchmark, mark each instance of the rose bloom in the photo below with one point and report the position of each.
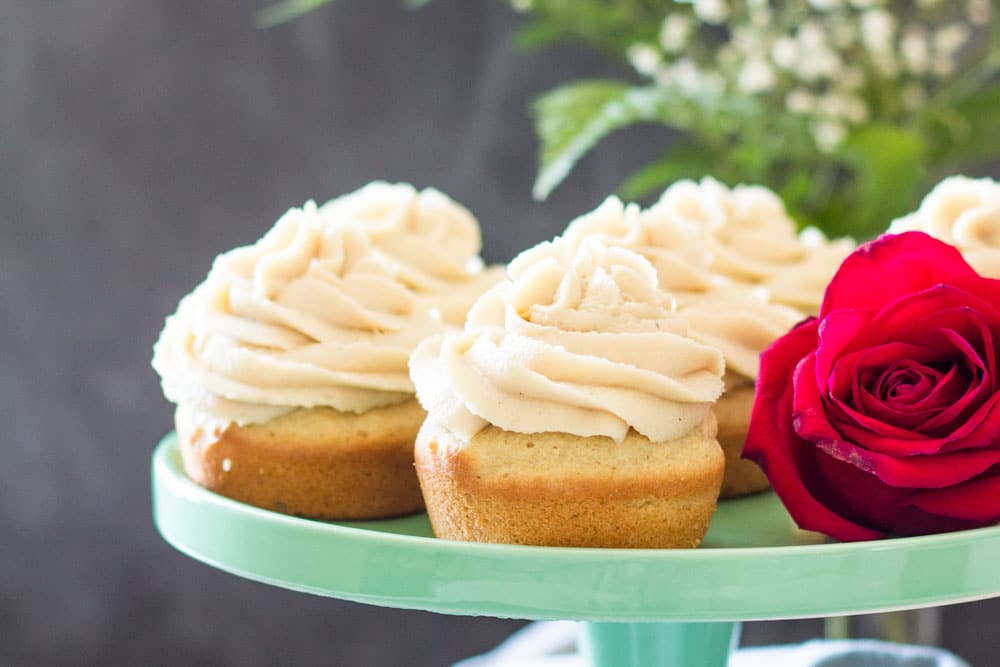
(881, 415)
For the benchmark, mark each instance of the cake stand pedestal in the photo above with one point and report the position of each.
(640, 607)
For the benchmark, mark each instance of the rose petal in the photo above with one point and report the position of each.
(894, 265)
(977, 501)
(982, 430)
(915, 472)
(838, 332)
(771, 441)
(859, 495)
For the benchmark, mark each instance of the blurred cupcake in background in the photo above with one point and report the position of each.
(429, 240)
(753, 241)
(964, 212)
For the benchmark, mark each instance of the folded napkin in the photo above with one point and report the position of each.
(553, 644)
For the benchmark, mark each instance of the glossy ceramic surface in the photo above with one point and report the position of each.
(753, 565)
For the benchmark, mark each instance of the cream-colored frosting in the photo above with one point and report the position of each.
(431, 242)
(737, 319)
(309, 315)
(964, 212)
(752, 240)
(588, 346)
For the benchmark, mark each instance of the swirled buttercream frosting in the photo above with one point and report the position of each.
(309, 315)
(752, 240)
(588, 346)
(964, 212)
(737, 319)
(431, 242)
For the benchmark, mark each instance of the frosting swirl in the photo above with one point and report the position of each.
(734, 318)
(964, 212)
(588, 347)
(752, 240)
(309, 315)
(431, 242)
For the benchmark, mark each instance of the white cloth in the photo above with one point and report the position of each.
(553, 644)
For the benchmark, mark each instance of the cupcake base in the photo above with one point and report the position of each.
(555, 489)
(316, 462)
(742, 476)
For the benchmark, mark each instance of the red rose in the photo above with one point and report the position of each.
(881, 416)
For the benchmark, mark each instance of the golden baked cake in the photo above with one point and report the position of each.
(288, 365)
(573, 410)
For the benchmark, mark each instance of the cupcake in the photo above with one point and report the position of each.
(288, 365)
(964, 212)
(752, 240)
(431, 242)
(736, 319)
(574, 409)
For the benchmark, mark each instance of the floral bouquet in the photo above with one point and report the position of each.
(846, 108)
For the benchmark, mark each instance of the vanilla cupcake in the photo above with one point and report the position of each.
(574, 409)
(964, 212)
(288, 365)
(736, 319)
(430, 241)
(752, 240)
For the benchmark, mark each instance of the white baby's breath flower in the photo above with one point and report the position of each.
(645, 58)
(856, 111)
(826, 5)
(915, 50)
(842, 31)
(664, 76)
(747, 41)
(811, 35)
(712, 12)
(832, 105)
(829, 135)
(866, 4)
(818, 63)
(760, 14)
(979, 12)
(878, 28)
(800, 101)
(522, 5)
(949, 39)
(913, 95)
(886, 64)
(713, 82)
(756, 76)
(851, 77)
(675, 31)
(686, 75)
(944, 65)
(785, 52)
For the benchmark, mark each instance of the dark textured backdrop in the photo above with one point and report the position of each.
(139, 139)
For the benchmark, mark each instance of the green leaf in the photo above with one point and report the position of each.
(973, 128)
(572, 119)
(683, 161)
(285, 11)
(538, 34)
(887, 165)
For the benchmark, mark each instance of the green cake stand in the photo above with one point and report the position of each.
(639, 607)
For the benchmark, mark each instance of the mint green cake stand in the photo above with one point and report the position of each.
(639, 607)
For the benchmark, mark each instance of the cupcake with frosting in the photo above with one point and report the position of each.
(288, 365)
(752, 240)
(964, 212)
(736, 319)
(430, 241)
(574, 409)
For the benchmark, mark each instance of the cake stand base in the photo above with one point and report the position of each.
(662, 644)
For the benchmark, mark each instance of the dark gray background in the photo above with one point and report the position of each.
(141, 138)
